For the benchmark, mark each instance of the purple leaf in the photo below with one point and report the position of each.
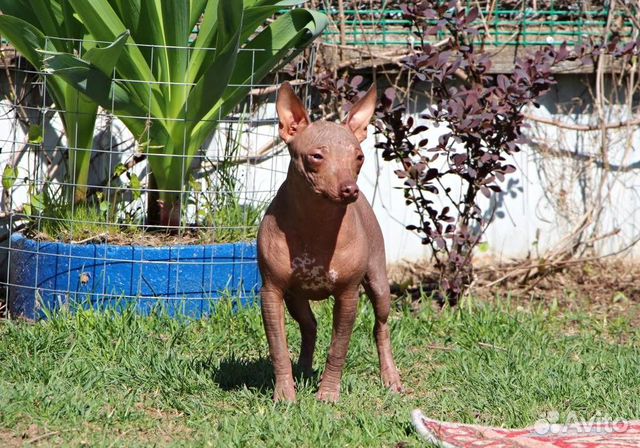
(356, 81)
(459, 159)
(390, 94)
(473, 15)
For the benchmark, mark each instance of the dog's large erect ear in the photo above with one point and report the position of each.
(291, 113)
(361, 113)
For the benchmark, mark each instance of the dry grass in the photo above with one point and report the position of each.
(600, 286)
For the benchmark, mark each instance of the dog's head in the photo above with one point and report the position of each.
(327, 155)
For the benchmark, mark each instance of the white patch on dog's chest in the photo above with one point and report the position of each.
(313, 276)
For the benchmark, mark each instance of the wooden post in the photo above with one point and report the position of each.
(341, 26)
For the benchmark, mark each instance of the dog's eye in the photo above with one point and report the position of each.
(360, 157)
(317, 156)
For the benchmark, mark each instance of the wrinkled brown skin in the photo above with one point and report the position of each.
(320, 237)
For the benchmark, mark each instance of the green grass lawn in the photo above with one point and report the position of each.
(123, 380)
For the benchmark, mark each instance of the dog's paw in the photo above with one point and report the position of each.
(284, 392)
(328, 395)
(391, 380)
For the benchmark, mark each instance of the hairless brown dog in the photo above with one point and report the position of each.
(320, 237)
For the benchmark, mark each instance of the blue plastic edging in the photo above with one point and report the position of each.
(185, 280)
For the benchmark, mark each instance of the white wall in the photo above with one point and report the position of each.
(527, 219)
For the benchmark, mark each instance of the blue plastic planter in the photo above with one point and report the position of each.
(184, 280)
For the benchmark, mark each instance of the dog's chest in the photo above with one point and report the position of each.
(311, 274)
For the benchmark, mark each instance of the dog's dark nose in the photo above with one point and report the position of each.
(349, 191)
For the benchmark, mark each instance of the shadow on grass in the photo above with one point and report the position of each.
(238, 373)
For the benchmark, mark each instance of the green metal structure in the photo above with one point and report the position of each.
(521, 27)
(386, 27)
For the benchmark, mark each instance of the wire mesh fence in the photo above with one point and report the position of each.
(131, 218)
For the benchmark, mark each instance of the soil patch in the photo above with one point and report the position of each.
(31, 436)
(597, 283)
(147, 238)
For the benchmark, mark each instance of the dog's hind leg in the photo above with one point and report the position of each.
(377, 289)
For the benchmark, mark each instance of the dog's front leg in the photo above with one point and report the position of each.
(344, 316)
(273, 319)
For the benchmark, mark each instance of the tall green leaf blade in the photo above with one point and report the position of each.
(78, 113)
(256, 12)
(105, 59)
(101, 88)
(177, 30)
(87, 79)
(203, 48)
(100, 18)
(73, 28)
(20, 9)
(143, 34)
(79, 118)
(154, 37)
(284, 3)
(129, 11)
(209, 87)
(176, 16)
(278, 43)
(92, 82)
(47, 18)
(25, 37)
(196, 10)
(214, 80)
(257, 15)
(105, 25)
(50, 17)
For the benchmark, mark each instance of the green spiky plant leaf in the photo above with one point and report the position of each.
(25, 23)
(170, 91)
